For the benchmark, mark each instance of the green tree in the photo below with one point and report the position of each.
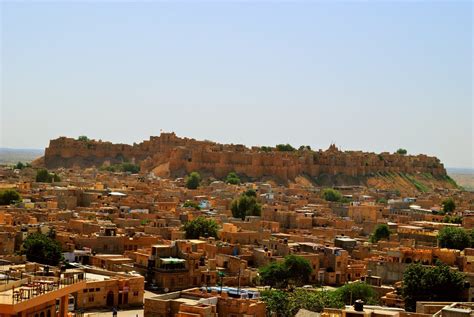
(452, 219)
(193, 180)
(448, 205)
(401, 151)
(285, 148)
(41, 249)
(471, 236)
(330, 194)
(351, 292)
(299, 269)
(382, 201)
(191, 204)
(454, 238)
(245, 206)
(200, 227)
(232, 178)
(266, 149)
(304, 147)
(19, 166)
(287, 304)
(425, 283)
(274, 274)
(51, 233)
(314, 301)
(43, 176)
(8, 196)
(129, 167)
(294, 270)
(83, 138)
(382, 231)
(251, 193)
(277, 302)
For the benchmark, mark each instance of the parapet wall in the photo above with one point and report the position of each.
(170, 155)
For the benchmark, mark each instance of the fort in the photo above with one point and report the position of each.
(169, 155)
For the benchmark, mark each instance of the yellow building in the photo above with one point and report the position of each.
(36, 296)
(106, 289)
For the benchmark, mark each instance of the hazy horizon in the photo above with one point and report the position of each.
(370, 76)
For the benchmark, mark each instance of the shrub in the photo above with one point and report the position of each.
(285, 148)
(191, 204)
(425, 283)
(454, 238)
(193, 180)
(245, 205)
(330, 194)
(294, 270)
(83, 138)
(43, 176)
(42, 249)
(8, 196)
(381, 232)
(448, 205)
(200, 227)
(232, 178)
(357, 290)
(129, 167)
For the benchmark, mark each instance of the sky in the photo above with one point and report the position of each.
(366, 75)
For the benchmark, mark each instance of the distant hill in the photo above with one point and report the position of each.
(13, 156)
(463, 176)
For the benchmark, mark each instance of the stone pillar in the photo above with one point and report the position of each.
(63, 306)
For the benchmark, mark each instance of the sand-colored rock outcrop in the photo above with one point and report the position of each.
(170, 155)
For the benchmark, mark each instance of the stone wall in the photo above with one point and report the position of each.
(169, 155)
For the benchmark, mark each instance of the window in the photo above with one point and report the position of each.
(91, 290)
(135, 293)
(97, 289)
(91, 298)
(85, 290)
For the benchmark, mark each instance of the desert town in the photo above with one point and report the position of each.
(183, 228)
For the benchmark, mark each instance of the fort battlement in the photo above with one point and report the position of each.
(170, 155)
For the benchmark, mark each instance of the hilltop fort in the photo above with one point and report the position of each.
(169, 155)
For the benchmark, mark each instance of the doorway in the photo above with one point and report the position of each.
(110, 298)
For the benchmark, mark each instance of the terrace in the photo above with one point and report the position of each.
(22, 294)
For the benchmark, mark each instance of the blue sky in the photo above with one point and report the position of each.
(371, 76)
